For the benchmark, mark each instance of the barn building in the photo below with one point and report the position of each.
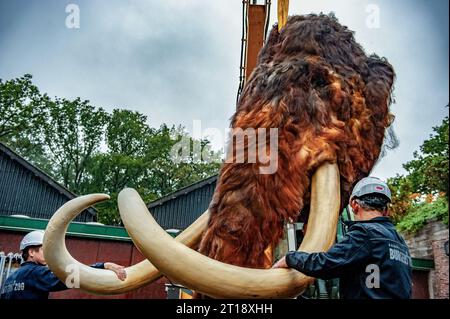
(29, 197)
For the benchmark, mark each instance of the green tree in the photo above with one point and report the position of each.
(90, 151)
(148, 167)
(421, 213)
(123, 164)
(428, 171)
(21, 106)
(22, 114)
(422, 194)
(403, 196)
(72, 135)
(166, 175)
(127, 133)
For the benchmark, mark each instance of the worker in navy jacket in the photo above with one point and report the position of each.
(34, 280)
(372, 261)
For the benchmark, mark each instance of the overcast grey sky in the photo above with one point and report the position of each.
(178, 60)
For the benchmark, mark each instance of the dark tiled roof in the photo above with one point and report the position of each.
(27, 190)
(179, 209)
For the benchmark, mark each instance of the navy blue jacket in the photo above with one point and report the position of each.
(371, 261)
(33, 281)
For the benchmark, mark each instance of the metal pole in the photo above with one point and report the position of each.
(10, 256)
(2, 266)
(266, 28)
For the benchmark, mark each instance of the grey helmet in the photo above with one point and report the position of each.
(371, 185)
(34, 238)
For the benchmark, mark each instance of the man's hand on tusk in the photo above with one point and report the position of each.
(281, 263)
(118, 269)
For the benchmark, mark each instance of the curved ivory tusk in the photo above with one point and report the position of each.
(100, 281)
(220, 280)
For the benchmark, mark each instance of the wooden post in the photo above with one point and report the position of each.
(255, 36)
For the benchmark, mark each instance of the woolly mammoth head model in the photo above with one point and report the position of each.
(328, 102)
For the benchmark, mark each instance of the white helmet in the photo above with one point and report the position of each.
(34, 238)
(371, 185)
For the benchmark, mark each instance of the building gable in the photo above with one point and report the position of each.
(26, 190)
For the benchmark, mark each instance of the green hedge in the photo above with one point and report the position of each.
(421, 213)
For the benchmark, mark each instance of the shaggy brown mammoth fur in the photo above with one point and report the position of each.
(330, 103)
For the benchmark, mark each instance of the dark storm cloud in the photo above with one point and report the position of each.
(164, 59)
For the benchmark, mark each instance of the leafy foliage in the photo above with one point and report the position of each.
(72, 133)
(22, 115)
(428, 172)
(89, 150)
(413, 195)
(403, 196)
(421, 213)
(21, 104)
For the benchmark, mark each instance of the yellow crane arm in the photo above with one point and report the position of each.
(283, 9)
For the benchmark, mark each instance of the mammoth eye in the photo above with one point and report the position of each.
(319, 77)
(318, 81)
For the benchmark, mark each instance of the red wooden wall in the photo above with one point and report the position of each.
(90, 251)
